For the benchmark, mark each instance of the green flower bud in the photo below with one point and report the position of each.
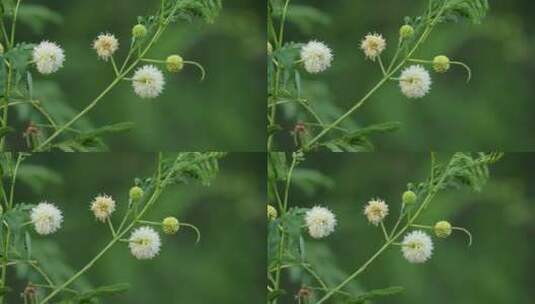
(406, 31)
(442, 229)
(139, 31)
(170, 225)
(408, 198)
(441, 64)
(136, 193)
(174, 63)
(271, 212)
(269, 48)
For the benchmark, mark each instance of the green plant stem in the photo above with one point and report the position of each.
(289, 181)
(14, 24)
(119, 235)
(358, 104)
(278, 270)
(92, 104)
(279, 41)
(5, 261)
(20, 158)
(431, 194)
(6, 104)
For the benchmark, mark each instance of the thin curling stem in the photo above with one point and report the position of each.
(197, 231)
(199, 66)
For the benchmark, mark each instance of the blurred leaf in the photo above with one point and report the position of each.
(389, 291)
(309, 181)
(37, 16)
(38, 177)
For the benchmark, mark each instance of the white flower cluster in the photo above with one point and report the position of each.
(417, 247)
(320, 222)
(373, 45)
(316, 57)
(148, 82)
(106, 45)
(102, 207)
(376, 210)
(46, 218)
(415, 81)
(48, 57)
(144, 243)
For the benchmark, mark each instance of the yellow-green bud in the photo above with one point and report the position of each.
(408, 198)
(174, 63)
(1, 210)
(406, 31)
(269, 48)
(442, 229)
(441, 64)
(136, 193)
(170, 225)
(1, 49)
(271, 212)
(139, 31)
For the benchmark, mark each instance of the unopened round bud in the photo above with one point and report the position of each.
(271, 212)
(269, 48)
(170, 225)
(136, 193)
(442, 229)
(406, 31)
(174, 63)
(139, 31)
(441, 64)
(408, 197)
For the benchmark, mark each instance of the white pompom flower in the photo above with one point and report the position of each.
(144, 243)
(105, 45)
(415, 81)
(103, 206)
(46, 218)
(320, 222)
(417, 247)
(148, 82)
(373, 45)
(48, 57)
(316, 56)
(376, 210)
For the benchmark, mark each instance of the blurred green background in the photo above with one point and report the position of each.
(222, 113)
(222, 268)
(494, 111)
(497, 268)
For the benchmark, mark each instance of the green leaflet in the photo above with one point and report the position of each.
(455, 10)
(375, 293)
(37, 16)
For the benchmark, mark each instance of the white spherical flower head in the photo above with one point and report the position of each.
(417, 247)
(148, 82)
(144, 243)
(376, 210)
(103, 206)
(415, 81)
(46, 218)
(320, 222)
(373, 45)
(48, 57)
(316, 56)
(106, 45)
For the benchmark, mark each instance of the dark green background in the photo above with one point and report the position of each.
(494, 111)
(225, 112)
(497, 268)
(223, 268)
